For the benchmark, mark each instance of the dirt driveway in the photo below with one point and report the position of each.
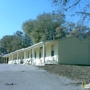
(25, 77)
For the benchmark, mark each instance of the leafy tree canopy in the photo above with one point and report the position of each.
(10, 43)
(7, 42)
(44, 27)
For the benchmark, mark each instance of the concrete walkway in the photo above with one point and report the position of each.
(25, 77)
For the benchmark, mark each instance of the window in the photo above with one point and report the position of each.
(52, 47)
(52, 53)
(35, 54)
(40, 47)
(28, 54)
(40, 52)
(45, 51)
(52, 50)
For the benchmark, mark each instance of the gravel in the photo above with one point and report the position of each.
(26, 77)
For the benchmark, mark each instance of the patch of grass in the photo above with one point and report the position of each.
(75, 72)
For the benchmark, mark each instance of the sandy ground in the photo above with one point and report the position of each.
(25, 77)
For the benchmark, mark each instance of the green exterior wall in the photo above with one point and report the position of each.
(74, 51)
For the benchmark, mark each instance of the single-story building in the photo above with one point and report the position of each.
(69, 50)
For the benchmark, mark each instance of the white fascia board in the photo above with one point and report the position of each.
(6, 55)
(12, 53)
(23, 49)
(19, 50)
(33, 45)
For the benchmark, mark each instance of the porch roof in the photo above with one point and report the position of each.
(6, 55)
(30, 47)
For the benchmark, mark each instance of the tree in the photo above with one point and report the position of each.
(23, 39)
(2, 51)
(77, 29)
(60, 32)
(10, 43)
(77, 7)
(16, 43)
(26, 41)
(19, 34)
(6, 43)
(44, 26)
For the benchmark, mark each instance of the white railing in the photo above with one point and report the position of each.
(37, 61)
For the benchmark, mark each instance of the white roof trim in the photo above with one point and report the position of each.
(29, 47)
(23, 49)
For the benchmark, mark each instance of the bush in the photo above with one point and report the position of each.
(21, 62)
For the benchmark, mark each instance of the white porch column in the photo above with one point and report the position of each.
(6, 60)
(20, 56)
(24, 54)
(12, 57)
(9, 58)
(44, 53)
(17, 58)
(32, 55)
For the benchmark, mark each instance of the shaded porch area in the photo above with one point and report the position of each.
(38, 54)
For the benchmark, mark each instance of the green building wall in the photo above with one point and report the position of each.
(74, 51)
